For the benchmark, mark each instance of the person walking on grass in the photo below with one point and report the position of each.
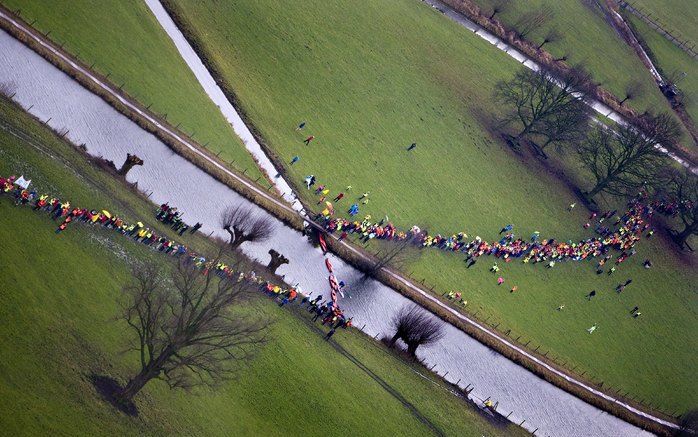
(309, 139)
(412, 147)
(591, 294)
(592, 329)
(295, 159)
(301, 126)
(339, 197)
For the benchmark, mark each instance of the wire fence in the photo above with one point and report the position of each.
(684, 44)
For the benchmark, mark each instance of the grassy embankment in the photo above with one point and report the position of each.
(390, 73)
(124, 41)
(58, 303)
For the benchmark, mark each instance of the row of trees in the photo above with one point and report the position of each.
(552, 110)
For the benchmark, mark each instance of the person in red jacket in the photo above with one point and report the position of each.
(309, 139)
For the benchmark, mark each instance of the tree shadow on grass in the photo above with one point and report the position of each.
(107, 388)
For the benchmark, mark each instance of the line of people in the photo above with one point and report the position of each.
(171, 216)
(622, 236)
(63, 212)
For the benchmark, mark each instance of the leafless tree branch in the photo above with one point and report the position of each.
(188, 330)
(242, 225)
(627, 159)
(415, 327)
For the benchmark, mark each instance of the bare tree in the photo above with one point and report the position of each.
(569, 125)
(498, 7)
(540, 101)
(683, 187)
(415, 327)
(242, 225)
(625, 160)
(552, 36)
(187, 333)
(531, 21)
(632, 90)
(129, 163)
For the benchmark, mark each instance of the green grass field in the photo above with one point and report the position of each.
(672, 63)
(123, 39)
(676, 16)
(590, 40)
(57, 309)
(386, 74)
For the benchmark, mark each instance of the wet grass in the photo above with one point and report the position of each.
(123, 41)
(391, 73)
(57, 309)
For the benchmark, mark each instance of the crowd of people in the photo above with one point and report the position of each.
(615, 235)
(65, 214)
(170, 215)
(612, 231)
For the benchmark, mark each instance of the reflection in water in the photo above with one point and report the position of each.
(52, 94)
